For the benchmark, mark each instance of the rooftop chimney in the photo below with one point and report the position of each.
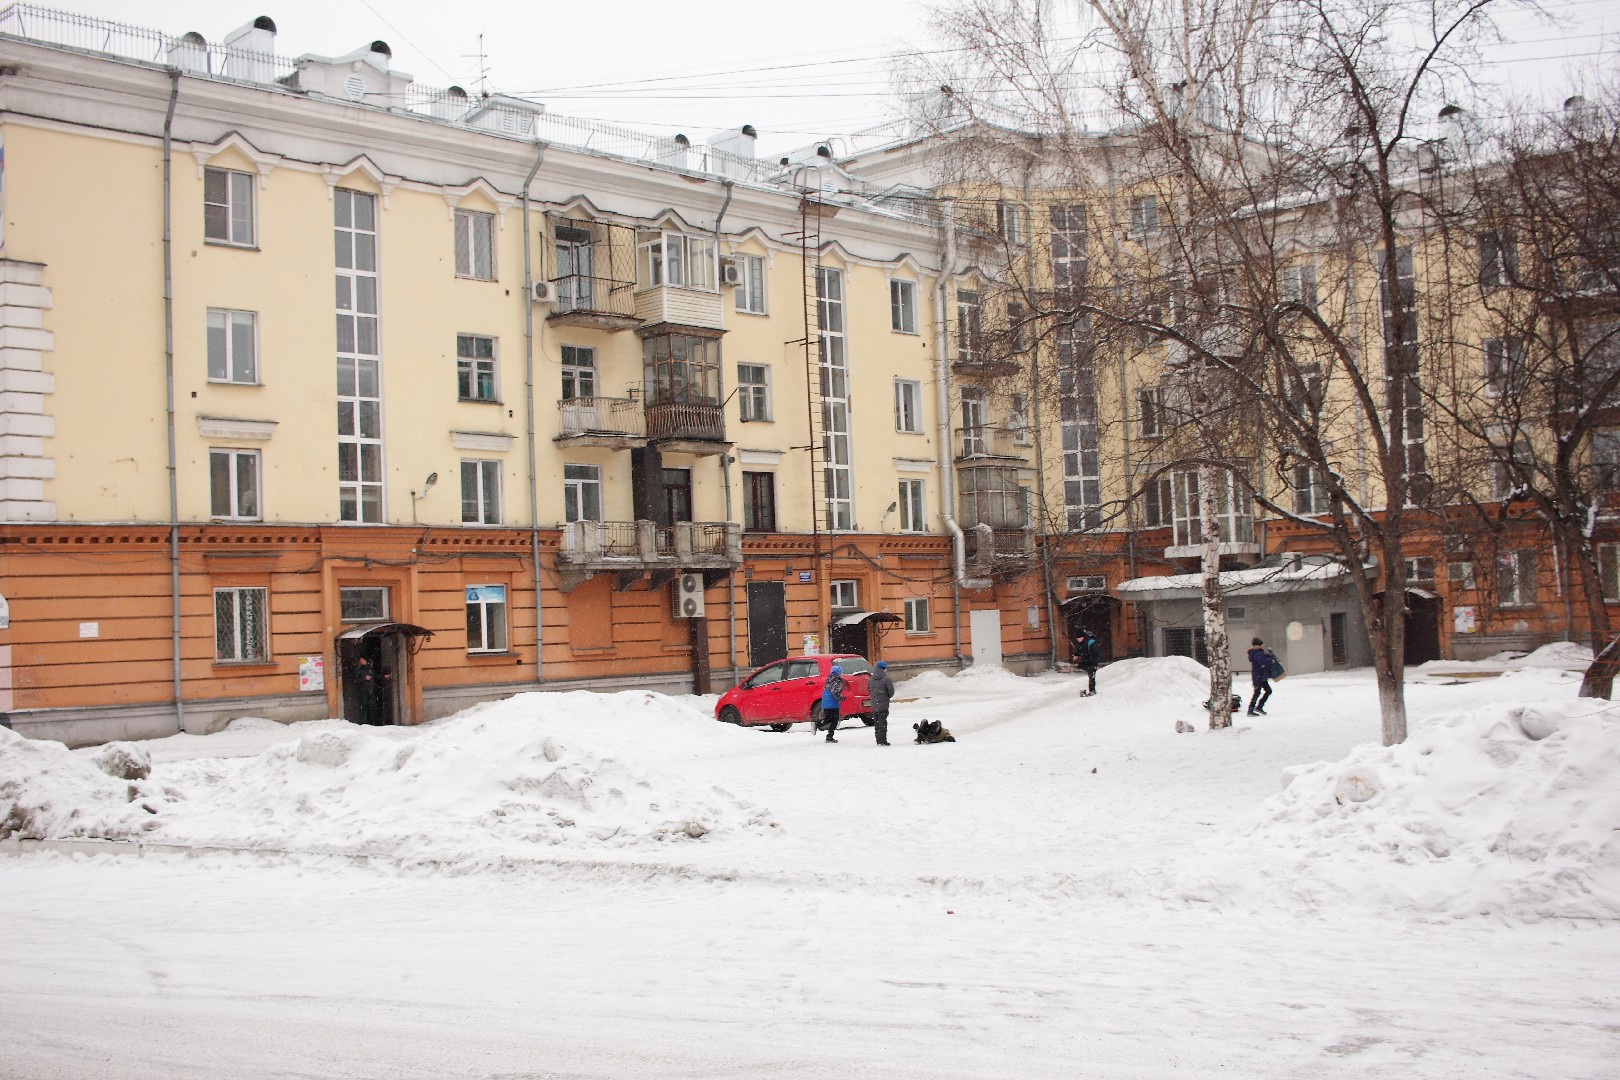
(250, 51)
(189, 52)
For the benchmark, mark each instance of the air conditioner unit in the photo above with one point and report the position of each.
(688, 596)
(543, 292)
(730, 273)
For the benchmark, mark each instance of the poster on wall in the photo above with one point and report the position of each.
(1462, 620)
(311, 673)
(812, 644)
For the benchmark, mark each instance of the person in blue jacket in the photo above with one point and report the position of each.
(1260, 666)
(832, 696)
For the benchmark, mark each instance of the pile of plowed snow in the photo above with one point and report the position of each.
(538, 770)
(1508, 810)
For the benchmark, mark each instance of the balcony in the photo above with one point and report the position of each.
(672, 305)
(614, 423)
(979, 364)
(987, 442)
(998, 551)
(683, 427)
(595, 302)
(637, 550)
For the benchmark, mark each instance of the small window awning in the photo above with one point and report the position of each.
(405, 629)
(1425, 593)
(855, 617)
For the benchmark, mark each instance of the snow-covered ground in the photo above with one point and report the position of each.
(616, 885)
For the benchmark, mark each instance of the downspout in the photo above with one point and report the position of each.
(528, 395)
(725, 475)
(168, 376)
(947, 478)
(1048, 550)
(1124, 408)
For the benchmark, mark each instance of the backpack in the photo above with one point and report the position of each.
(1274, 668)
(835, 687)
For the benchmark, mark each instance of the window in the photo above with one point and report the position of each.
(844, 594)
(1420, 570)
(228, 207)
(1608, 556)
(1016, 320)
(578, 372)
(241, 625)
(1605, 455)
(359, 440)
(677, 484)
(1186, 641)
(673, 259)
(575, 281)
(912, 518)
(1400, 310)
(916, 608)
(969, 328)
(1298, 285)
(1018, 419)
(363, 604)
(1235, 521)
(753, 392)
(1306, 391)
(838, 468)
(233, 346)
(903, 306)
(582, 493)
(681, 369)
(750, 296)
(1339, 637)
(1157, 501)
(480, 492)
(1310, 490)
(359, 372)
(759, 502)
(975, 436)
(1504, 366)
(233, 482)
(475, 368)
(1498, 259)
(1144, 216)
(1149, 413)
(1461, 575)
(1010, 222)
(1510, 468)
(486, 618)
(908, 406)
(475, 241)
(1516, 579)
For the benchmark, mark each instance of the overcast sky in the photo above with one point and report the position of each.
(797, 72)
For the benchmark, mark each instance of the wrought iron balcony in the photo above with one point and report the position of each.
(596, 302)
(986, 441)
(616, 423)
(991, 550)
(687, 427)
(635, 549)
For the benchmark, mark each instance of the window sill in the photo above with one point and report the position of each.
(745, 311)
(494, 658)
(232, 382)
(228, 244)
(475, 277)
(236, 521)
(908, 333)
(480, 401)
(756, 420)
(238, 665)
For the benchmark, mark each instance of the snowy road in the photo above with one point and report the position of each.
(985, 910)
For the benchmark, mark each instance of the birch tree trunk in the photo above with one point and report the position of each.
(1220, 655)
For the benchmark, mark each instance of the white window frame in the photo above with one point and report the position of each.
(913, 505)
(1419, 568)
(916, 614)
(751, 295)
(475, 245)
(480, 491)
(242, 482)
(1010, 223)
(1516, 579)
(1310, 490)
(1144, 210)
(1460, 574)
(361, 498)
(902, 306)
(844, 594)
(969, 326)
(1018, 426)
(754, 395)
(470, 364)
(1149, 412)
(578, 372)
(349, 593)
(1297, 285)
(908, 406)
(238, 610)
(582, 492)
(227, 343)
(677, 260)
(486, 603)
(240, 222)
(1503, 365)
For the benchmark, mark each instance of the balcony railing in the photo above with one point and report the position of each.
(985, 441)
(611, 420)
(639, 546)
(991, 550)
(687, 421)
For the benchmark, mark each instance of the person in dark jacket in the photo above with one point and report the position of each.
(1260, 662)
(832, 695)
(1085, 658)
(880, 689)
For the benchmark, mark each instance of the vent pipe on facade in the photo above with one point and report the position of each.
(824, 151)
(380, 55)
(189, 53)
(250, 51)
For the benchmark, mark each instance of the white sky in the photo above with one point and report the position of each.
(797, 72)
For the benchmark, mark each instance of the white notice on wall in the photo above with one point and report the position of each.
(311, 673)
(89, 629)
(812, 645)
(1462, 620)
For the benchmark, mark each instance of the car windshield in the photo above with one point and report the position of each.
(854, 665)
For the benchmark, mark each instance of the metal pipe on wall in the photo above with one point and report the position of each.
(168, 373)
(528, 394)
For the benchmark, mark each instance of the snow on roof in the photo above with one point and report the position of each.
(1310, 572)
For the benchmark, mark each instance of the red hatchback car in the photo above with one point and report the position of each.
(789, 692)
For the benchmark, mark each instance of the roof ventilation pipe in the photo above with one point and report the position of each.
(250, 52)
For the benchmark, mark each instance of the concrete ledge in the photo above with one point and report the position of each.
(93, 726)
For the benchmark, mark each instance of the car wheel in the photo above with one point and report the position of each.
(816, 716)
(730, 715)
(780, 727)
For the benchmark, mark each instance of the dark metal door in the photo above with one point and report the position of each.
(1422, 628)
(767, 622)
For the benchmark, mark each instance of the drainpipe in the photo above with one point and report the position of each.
(947, 477)
(1124, 401)
(528, 394)
(725, 474)
(168, 376)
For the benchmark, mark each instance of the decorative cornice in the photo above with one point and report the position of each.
(482, 440)
(232, 427)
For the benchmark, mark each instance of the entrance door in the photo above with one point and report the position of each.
(767, 622)
(371, 682)
(1095, 613)
(985, 628)
(852, 638)
(1422, 628)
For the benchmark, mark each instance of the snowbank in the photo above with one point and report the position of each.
(1507, 810)
(49, 792)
